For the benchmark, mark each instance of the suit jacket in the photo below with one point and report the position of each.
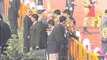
(103, 24)
(56, 39)
(43, 35)
(38, 35)
(35, 35)
(26, 33)
(27, 24)
(5, 33)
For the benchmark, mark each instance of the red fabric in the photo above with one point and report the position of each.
(91, 12)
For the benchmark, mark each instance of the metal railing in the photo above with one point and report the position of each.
(77, 51)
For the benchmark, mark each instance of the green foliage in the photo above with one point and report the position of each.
(14, 51)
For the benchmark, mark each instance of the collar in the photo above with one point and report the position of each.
(34, 22)
(52, 28)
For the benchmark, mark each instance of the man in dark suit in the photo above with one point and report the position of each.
(71, 25)
(56, 40)
(51, 45)
(38, 33)
(13, 14)
(26, 34)
(103, 33)
(43, 36)
(34, 33)
(5, 33)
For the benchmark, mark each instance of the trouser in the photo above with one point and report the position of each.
(86, 20)
(104, 48)
(0, 52)
(85, 16)
(13, 23)
(1, 7)
(72, 11)
(26, 45)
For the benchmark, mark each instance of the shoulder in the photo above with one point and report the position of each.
(59, 27)
(26, 17)
(104, 18)
(3, 23)
(4, 26)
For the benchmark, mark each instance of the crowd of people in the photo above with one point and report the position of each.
(50, 33)
(104, 33)
(50, 30)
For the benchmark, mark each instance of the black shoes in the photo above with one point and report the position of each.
(86, 32)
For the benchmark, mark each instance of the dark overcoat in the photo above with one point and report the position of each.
(26, 32)
(5, 33)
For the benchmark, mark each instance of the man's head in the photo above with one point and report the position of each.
(34, 17)
(73, 20)
(50, 16)
(66, 12)
(29, 12)
(45, 13)
(51, 23)
(1, 17)
(62, 19)
(57, 12)
(106, 11)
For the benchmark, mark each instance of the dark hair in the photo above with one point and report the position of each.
(67, 11)
(35, 16)
(51, 22)
(62, 18)
(43, 10)
(1, 17)
(58, 12)
(72, 19)
(106, 11)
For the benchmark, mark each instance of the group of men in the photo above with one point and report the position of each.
(14, 6)
(46, 31)
(50, 31)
